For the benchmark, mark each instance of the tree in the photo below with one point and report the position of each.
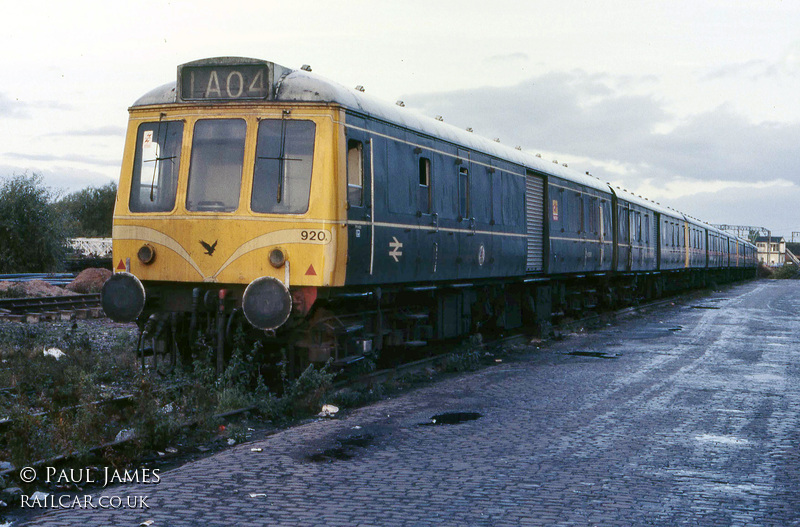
(90, 211)
(33, 236)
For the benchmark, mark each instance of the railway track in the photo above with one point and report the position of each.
(67, 307)
(514, 338)
(59, 279)
(488, 351)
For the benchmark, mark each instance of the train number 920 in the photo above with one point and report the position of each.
(313, 236)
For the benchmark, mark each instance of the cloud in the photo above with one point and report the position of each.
(577, 115)
(72, 158)
(102, 131)
(783, 67)
(61, 179)
(17, 109)
(507, 58)
(13, 108)
(759, 207)
(614, 128)
(751, 69)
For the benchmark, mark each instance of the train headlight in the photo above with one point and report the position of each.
(266, 303)
(277, 258)
(146, 254)
(122, 297)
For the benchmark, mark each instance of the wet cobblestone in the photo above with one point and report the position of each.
(697, 426)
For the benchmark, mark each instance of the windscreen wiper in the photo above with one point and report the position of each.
(281, 157)
(157, 158)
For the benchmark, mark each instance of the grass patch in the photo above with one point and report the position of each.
(785, 271)
(59, 406)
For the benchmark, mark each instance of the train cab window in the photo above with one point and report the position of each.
(154, 183)
(463, 192)
(424, 192)
(284, 162)
(215, 169)
(355, 173)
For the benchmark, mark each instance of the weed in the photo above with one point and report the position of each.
(785, 271)
(305, 394)
(468, 360)
(13, 291)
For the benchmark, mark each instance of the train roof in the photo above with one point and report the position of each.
(288, 85)
(305, 86)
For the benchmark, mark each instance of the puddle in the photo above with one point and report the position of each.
(346, 448)
(676, 328)
(706, 307)
(597, 354)
(452, 418)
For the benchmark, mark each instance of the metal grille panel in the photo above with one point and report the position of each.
(534, 220)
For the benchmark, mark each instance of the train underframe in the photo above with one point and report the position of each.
(382, 326)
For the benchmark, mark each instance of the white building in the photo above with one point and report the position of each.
(771, 250)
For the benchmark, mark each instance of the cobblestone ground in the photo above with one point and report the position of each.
(695, 422)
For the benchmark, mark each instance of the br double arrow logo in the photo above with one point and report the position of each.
(395, 245)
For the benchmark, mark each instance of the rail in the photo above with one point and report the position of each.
(50, 307)
(50, 278)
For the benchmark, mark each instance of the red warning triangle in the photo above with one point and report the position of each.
(121, 266)
(311, 271)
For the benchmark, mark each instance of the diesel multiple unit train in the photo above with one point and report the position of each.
(343, 226)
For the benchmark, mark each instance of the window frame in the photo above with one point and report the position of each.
(193, 162)
(425, 189)
(355, 144)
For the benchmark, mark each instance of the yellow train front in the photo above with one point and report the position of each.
(227, 199)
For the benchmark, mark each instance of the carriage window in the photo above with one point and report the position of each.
(463, 192)
(155, 167)
(424, 197)
(284, 158)
(647, 229)
(355, 173)
(638, 226)
(215, 170)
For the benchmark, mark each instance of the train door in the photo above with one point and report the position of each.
(649, 240)
(636, 240)
(466, 250)
(360, 215)
(658, 238)
(427, 215)
(624, 236)
(482, 252)
(606, 254)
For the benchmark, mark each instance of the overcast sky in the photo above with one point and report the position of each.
(692, 103)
